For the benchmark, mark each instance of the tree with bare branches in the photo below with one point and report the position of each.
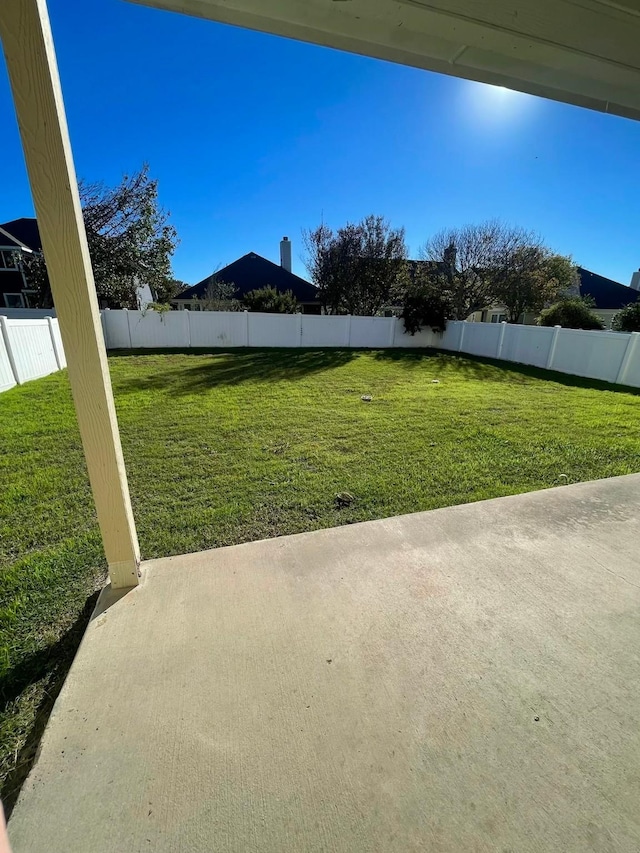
(480, 265)
(464, 260)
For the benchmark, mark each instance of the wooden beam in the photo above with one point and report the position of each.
(28, 47)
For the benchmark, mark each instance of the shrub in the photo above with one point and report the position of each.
(271, 301)
(425, 305)
(628, 320)
(570, 313)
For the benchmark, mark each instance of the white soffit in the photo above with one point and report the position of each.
(584, 52)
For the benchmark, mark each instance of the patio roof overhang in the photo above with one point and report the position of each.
(582, 52)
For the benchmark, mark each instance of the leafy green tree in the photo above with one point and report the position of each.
(268, 300)
(530, 277)
(571, 312)
(359, 268)
(130, 242)
(628, 319)
(169, 289)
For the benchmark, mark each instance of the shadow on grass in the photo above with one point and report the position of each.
(230, 367)
(49, 666)
(475, 367)
(236, 366)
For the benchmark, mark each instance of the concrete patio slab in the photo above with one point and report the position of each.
(466, 679)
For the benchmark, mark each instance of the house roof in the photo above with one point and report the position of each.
(21, 232)
(606, 293)
(252, 272)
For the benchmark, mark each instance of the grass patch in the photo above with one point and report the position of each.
(231, 447)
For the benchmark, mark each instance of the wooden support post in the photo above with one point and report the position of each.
(28, 47)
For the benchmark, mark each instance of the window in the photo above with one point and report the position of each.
(8, 259)
(498, 318)
(13, 300)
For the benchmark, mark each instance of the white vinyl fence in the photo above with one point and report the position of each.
(611, 356)
(33, 348)
(29, 349)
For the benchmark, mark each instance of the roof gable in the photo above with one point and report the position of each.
(606, 293)
(252, 272)
(24, 232)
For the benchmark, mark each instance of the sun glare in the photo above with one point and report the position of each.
(491, 105)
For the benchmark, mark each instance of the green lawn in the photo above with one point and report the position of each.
(226, 448)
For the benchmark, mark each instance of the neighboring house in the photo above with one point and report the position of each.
(21, 237)
(18, 238)
(608, 296)
(253, 272)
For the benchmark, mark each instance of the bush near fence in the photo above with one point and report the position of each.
(33, 348)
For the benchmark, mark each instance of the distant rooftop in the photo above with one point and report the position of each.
(252, 272)
(606, 293)
(21, 232)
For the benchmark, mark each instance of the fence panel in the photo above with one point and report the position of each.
(7, 379)
(218, 328)
(154, 330)
(632, 371)
(325, 331)
(527, 344)
(374, 332)
(450, 339)
(424, 338)
(116, 329)
(482, 339)
(597, 355)
(31, 348)
(274, 330)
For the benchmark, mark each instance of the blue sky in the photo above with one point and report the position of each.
(253, 137)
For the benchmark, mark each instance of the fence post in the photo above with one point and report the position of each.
(503, 329)
(626, 358)
(462, 328)
(54, 344)
(103, 323)
(246, 328)
(299, 328)
(552, 348)
(392, 335)
(7, 343)
(188, 313)
(128, 326)
(348, 330)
